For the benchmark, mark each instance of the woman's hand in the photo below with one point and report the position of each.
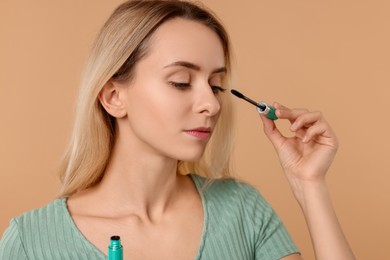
(307, 155)
(305, 159)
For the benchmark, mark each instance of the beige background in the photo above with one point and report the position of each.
(332, 56)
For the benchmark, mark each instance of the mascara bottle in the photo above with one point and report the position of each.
(115, 249)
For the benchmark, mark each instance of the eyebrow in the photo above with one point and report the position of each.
(192, 66)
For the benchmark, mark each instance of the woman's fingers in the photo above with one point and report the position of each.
(318, 129)
(306, 120)
(306, 125)
(283, 112)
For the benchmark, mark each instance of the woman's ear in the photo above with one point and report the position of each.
(111, 98)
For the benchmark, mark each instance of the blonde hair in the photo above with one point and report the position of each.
(122, 42)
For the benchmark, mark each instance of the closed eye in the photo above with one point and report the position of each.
(185, 85)
(180, 85)
(217, 89)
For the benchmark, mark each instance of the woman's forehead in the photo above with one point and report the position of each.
(186, 40)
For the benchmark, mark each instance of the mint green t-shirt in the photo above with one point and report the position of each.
(238, 224)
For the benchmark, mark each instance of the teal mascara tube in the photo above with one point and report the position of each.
(262, 107)
(115, 249)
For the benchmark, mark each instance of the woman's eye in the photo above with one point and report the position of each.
(217, 89)
(180, 85)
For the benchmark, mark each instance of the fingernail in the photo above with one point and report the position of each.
(292, 127)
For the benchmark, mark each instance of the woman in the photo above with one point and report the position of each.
(152, 119)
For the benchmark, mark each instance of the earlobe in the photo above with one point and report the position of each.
(111, 99)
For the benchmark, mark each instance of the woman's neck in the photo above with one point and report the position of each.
(137, 182)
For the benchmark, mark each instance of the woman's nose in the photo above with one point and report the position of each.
(207, 102)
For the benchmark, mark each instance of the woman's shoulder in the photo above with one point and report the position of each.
(30, 227)
(237, 212)
(46, 233)
(40, 221)
(48, 215)
(230, 191)
(226, 186)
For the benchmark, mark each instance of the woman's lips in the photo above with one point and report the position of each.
(200, 133)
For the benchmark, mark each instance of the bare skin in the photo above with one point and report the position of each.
(173, 231)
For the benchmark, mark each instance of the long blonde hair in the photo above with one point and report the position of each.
(122, 42)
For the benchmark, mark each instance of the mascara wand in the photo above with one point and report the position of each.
(262, 107)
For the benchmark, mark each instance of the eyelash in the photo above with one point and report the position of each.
(180, 85)
(217, 89)
(183, 86)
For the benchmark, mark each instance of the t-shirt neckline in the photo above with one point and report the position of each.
(198, 184)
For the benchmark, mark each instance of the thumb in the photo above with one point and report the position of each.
(272, 132)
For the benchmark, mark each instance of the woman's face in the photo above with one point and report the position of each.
(173, 101)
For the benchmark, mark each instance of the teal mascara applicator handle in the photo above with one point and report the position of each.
(268, 111)
(115, 249)
(262, 107)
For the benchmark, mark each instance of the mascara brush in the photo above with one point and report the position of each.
(262, 107)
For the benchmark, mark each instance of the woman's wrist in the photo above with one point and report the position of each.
(308, 189)
(314, 199)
